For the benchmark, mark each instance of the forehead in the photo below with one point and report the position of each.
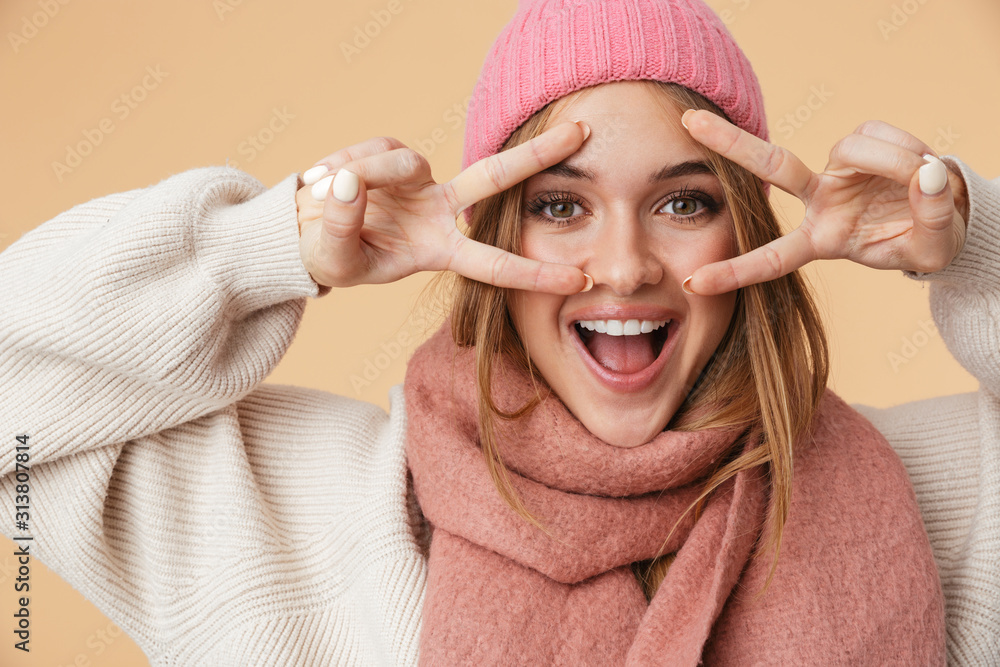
(632, 120)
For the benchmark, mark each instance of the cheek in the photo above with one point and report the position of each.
(520, 312)
(716, 245)
(531, 311)
(684, 251)
(546, 248)
(716, 312)
(720, 311)
(572, 245)
(710, 318)
(683, 259)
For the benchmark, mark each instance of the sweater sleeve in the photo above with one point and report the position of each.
(965, 295)
(217, 519)
(950, 445)
(138, 311)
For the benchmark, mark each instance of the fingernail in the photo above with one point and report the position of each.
(684, 118)
(684, 285)
(345, 186)
(310, 176)
(584, 127)
(933, 176)
(589, 285)
(321, 187)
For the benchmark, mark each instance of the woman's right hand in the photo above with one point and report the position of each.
(398, 221)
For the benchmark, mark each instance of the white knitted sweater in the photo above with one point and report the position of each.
(222, 521)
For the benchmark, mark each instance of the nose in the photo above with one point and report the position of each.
(624, 257)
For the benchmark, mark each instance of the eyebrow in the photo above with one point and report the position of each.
(670, 171)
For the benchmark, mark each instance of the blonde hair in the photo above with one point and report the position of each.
(775, 343)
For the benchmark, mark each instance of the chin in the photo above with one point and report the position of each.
(624, 432)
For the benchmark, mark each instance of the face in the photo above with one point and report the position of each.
(637, 209)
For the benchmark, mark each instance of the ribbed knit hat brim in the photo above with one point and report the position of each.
(554, 47)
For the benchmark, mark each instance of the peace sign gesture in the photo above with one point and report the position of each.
(884, 201)
(382, 217)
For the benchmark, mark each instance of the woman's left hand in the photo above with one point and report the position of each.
(867, 205)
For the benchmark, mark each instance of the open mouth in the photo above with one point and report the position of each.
(623, 346)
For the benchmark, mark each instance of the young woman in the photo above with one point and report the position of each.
(619, 449)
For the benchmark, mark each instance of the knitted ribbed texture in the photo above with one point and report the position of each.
(554, 47)
(959, 485)
(217, 521)
(951, 449)
(569, 596)
(221, 521)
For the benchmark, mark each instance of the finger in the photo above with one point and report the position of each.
(859, 154)
(878, 129)
(771, 163)
(335, 161)
(489, 264)
(935, 237)
(395, 167)
(773, 260)
(499, 172)
(337, 251)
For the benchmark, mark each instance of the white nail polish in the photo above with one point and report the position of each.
(345, 186)
(321, 187)
(310, 176)
(933, 176)
(682, 119)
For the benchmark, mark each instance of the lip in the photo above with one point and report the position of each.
(626, 382)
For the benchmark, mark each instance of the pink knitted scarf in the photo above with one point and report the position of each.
(856, 581)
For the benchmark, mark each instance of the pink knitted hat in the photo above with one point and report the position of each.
(554, 47)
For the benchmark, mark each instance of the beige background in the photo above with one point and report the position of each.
(233, 69)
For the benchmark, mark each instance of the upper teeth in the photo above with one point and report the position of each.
(622, 327)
